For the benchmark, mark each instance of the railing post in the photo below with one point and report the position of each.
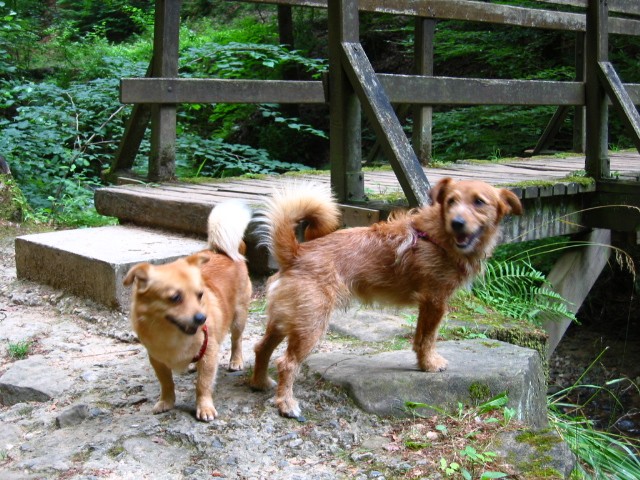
(579, 117)
(162, 158)
(345, 127)
(423, 115)
(597, 162)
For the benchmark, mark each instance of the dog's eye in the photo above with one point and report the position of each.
(451, 201)
(478, 202)
(200, 294)
(176, 298)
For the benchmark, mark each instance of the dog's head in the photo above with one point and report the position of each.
(472, 210)
(172, 292)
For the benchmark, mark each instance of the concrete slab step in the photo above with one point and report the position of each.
(92, 262)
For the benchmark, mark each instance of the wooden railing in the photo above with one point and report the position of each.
(352, 85)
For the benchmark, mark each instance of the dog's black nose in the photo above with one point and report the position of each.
(199, 318)
(458, 224)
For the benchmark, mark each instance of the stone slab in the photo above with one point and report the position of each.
(92, 262)
(383, 382)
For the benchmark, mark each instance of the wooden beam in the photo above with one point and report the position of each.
(162, 157)
(134, 131)
(384, 122)
(218, 90)
(621, 100)
(630, 7)
(418, 90)
(345, 129)
(551, 130)
(422, 137)
(597, 162)
(409, 89)
(477, 11)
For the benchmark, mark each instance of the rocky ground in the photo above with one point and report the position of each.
(86, 391)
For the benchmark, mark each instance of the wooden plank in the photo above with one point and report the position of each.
(631, 7)
(476, 11)
(219, 90)
(409, 89)
(385, 124)
(551, 130)
(415, 89)
(621, 100)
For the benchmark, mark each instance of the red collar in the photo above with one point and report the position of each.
(203, 348)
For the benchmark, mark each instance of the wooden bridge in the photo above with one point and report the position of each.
(352, 87)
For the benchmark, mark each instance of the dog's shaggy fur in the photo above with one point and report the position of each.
(418, 257)
(182, 311)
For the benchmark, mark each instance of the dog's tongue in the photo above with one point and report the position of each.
(462, 239)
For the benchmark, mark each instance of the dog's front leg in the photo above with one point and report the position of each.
(424, 342)
(207, 369)
(167, 390)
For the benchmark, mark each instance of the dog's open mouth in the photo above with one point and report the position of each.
(467, 241)
(186, 329)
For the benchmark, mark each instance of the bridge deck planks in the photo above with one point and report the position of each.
(184, 206)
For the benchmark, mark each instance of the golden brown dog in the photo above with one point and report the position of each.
(418, 257)
(182, 311)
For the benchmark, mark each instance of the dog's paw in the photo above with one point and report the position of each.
(289, 408)
(206, 412)
(162, 406)
(262, 385)
(433, 363)
(236, 365)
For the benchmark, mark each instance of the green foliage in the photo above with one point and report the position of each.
(216, 158)
(18, 350)
(57, 140)
(601, 453)
(518, 290)
(115, 20)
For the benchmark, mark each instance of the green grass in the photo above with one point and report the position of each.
(19, 350)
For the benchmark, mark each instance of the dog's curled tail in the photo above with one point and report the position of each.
(226, 226)
(299, 202)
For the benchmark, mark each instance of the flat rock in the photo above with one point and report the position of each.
(92, 262)
(383, 382)
(32, 380)
(370, 325)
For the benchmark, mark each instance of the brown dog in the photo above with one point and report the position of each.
(418, 257)
(182, 311)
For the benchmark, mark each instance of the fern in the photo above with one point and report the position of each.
(518, 290)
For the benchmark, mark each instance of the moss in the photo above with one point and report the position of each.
(537, 465)
(479, 392)
(542, 441)
(13, 204)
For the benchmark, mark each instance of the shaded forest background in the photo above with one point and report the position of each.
(61, 62)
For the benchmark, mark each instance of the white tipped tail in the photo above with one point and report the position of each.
(226, 226)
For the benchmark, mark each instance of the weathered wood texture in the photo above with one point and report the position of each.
(386, 125)
(409, 89)
(478, 12)
(552, 209)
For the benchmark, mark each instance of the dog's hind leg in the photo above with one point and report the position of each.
(237, 328)
(424, 341)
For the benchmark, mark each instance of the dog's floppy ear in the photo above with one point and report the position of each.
(140, 273)
(197, 259)
(509, 203)
(439, 190)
